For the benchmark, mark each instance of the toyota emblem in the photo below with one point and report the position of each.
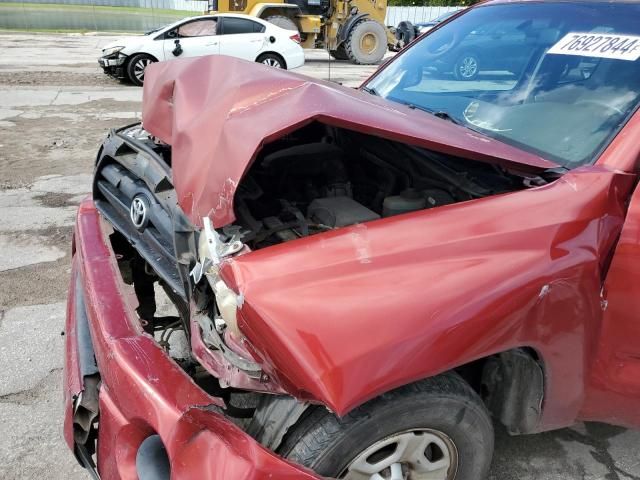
(138, 212)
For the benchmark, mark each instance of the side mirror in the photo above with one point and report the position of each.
(272, 39)
(178, 50)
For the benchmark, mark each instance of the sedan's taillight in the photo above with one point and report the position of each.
(295, 38)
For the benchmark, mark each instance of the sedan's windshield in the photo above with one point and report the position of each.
(169, 26)
(556, 79)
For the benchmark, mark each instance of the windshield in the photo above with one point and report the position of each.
(169, 26)
(555, 79)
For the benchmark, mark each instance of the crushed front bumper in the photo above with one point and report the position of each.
(113, 65)
(141, 393)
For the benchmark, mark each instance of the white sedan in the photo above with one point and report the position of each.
(235, 35)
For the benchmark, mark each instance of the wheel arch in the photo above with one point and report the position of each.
(133, 55)
(263, 10)
(511, 383)
(142, 52)
(443, 406)
(346, 27)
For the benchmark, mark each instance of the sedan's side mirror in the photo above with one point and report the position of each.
(178, 50)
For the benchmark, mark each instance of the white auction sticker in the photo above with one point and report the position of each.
(599, 45)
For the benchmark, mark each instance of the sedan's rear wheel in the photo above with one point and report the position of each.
(137, 66)
(272, 60)
(437, 429)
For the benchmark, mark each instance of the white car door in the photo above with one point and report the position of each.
(194, 38)
(241, 37)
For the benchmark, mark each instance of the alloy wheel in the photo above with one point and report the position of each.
(139, 68)
(416, 454)
(272, 62)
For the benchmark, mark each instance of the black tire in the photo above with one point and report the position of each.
(282, 22)
(340, 53)
(445, 405)
(467, 67)
(135, 63)
(366, 43)
(272, 60)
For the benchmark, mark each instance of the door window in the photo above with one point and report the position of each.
(198, 28)
(233, 25)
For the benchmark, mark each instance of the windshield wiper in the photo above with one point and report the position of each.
(436, 113)
(446, 116)
(371, 90)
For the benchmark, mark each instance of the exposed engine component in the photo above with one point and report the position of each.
(437, 198)
(409, 200)
(321, 178)
(339, 212)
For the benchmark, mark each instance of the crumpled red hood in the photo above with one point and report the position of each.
(216, 112)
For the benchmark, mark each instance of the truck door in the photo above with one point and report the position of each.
(615, 376)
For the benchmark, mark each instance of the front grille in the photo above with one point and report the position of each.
(128, 169)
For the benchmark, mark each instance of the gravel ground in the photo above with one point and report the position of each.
(55, 107)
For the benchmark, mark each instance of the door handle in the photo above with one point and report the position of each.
(211, 44)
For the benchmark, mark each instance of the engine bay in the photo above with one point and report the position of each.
(321, 178)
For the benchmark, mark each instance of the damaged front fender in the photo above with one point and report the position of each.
(346, 315)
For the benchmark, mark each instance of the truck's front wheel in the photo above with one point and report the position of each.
(366, 43)
(437, 429)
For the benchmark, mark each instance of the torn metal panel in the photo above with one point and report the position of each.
(145, 392)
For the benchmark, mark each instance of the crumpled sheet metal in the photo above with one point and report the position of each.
(346, 315)
(217, 111)
(145, 392)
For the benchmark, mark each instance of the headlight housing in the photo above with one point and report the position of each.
(108, 52)
(211, 250)
(228, 303)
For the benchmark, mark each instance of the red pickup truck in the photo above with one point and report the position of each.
(277, 277)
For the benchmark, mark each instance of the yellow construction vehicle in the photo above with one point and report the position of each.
(350, 29)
